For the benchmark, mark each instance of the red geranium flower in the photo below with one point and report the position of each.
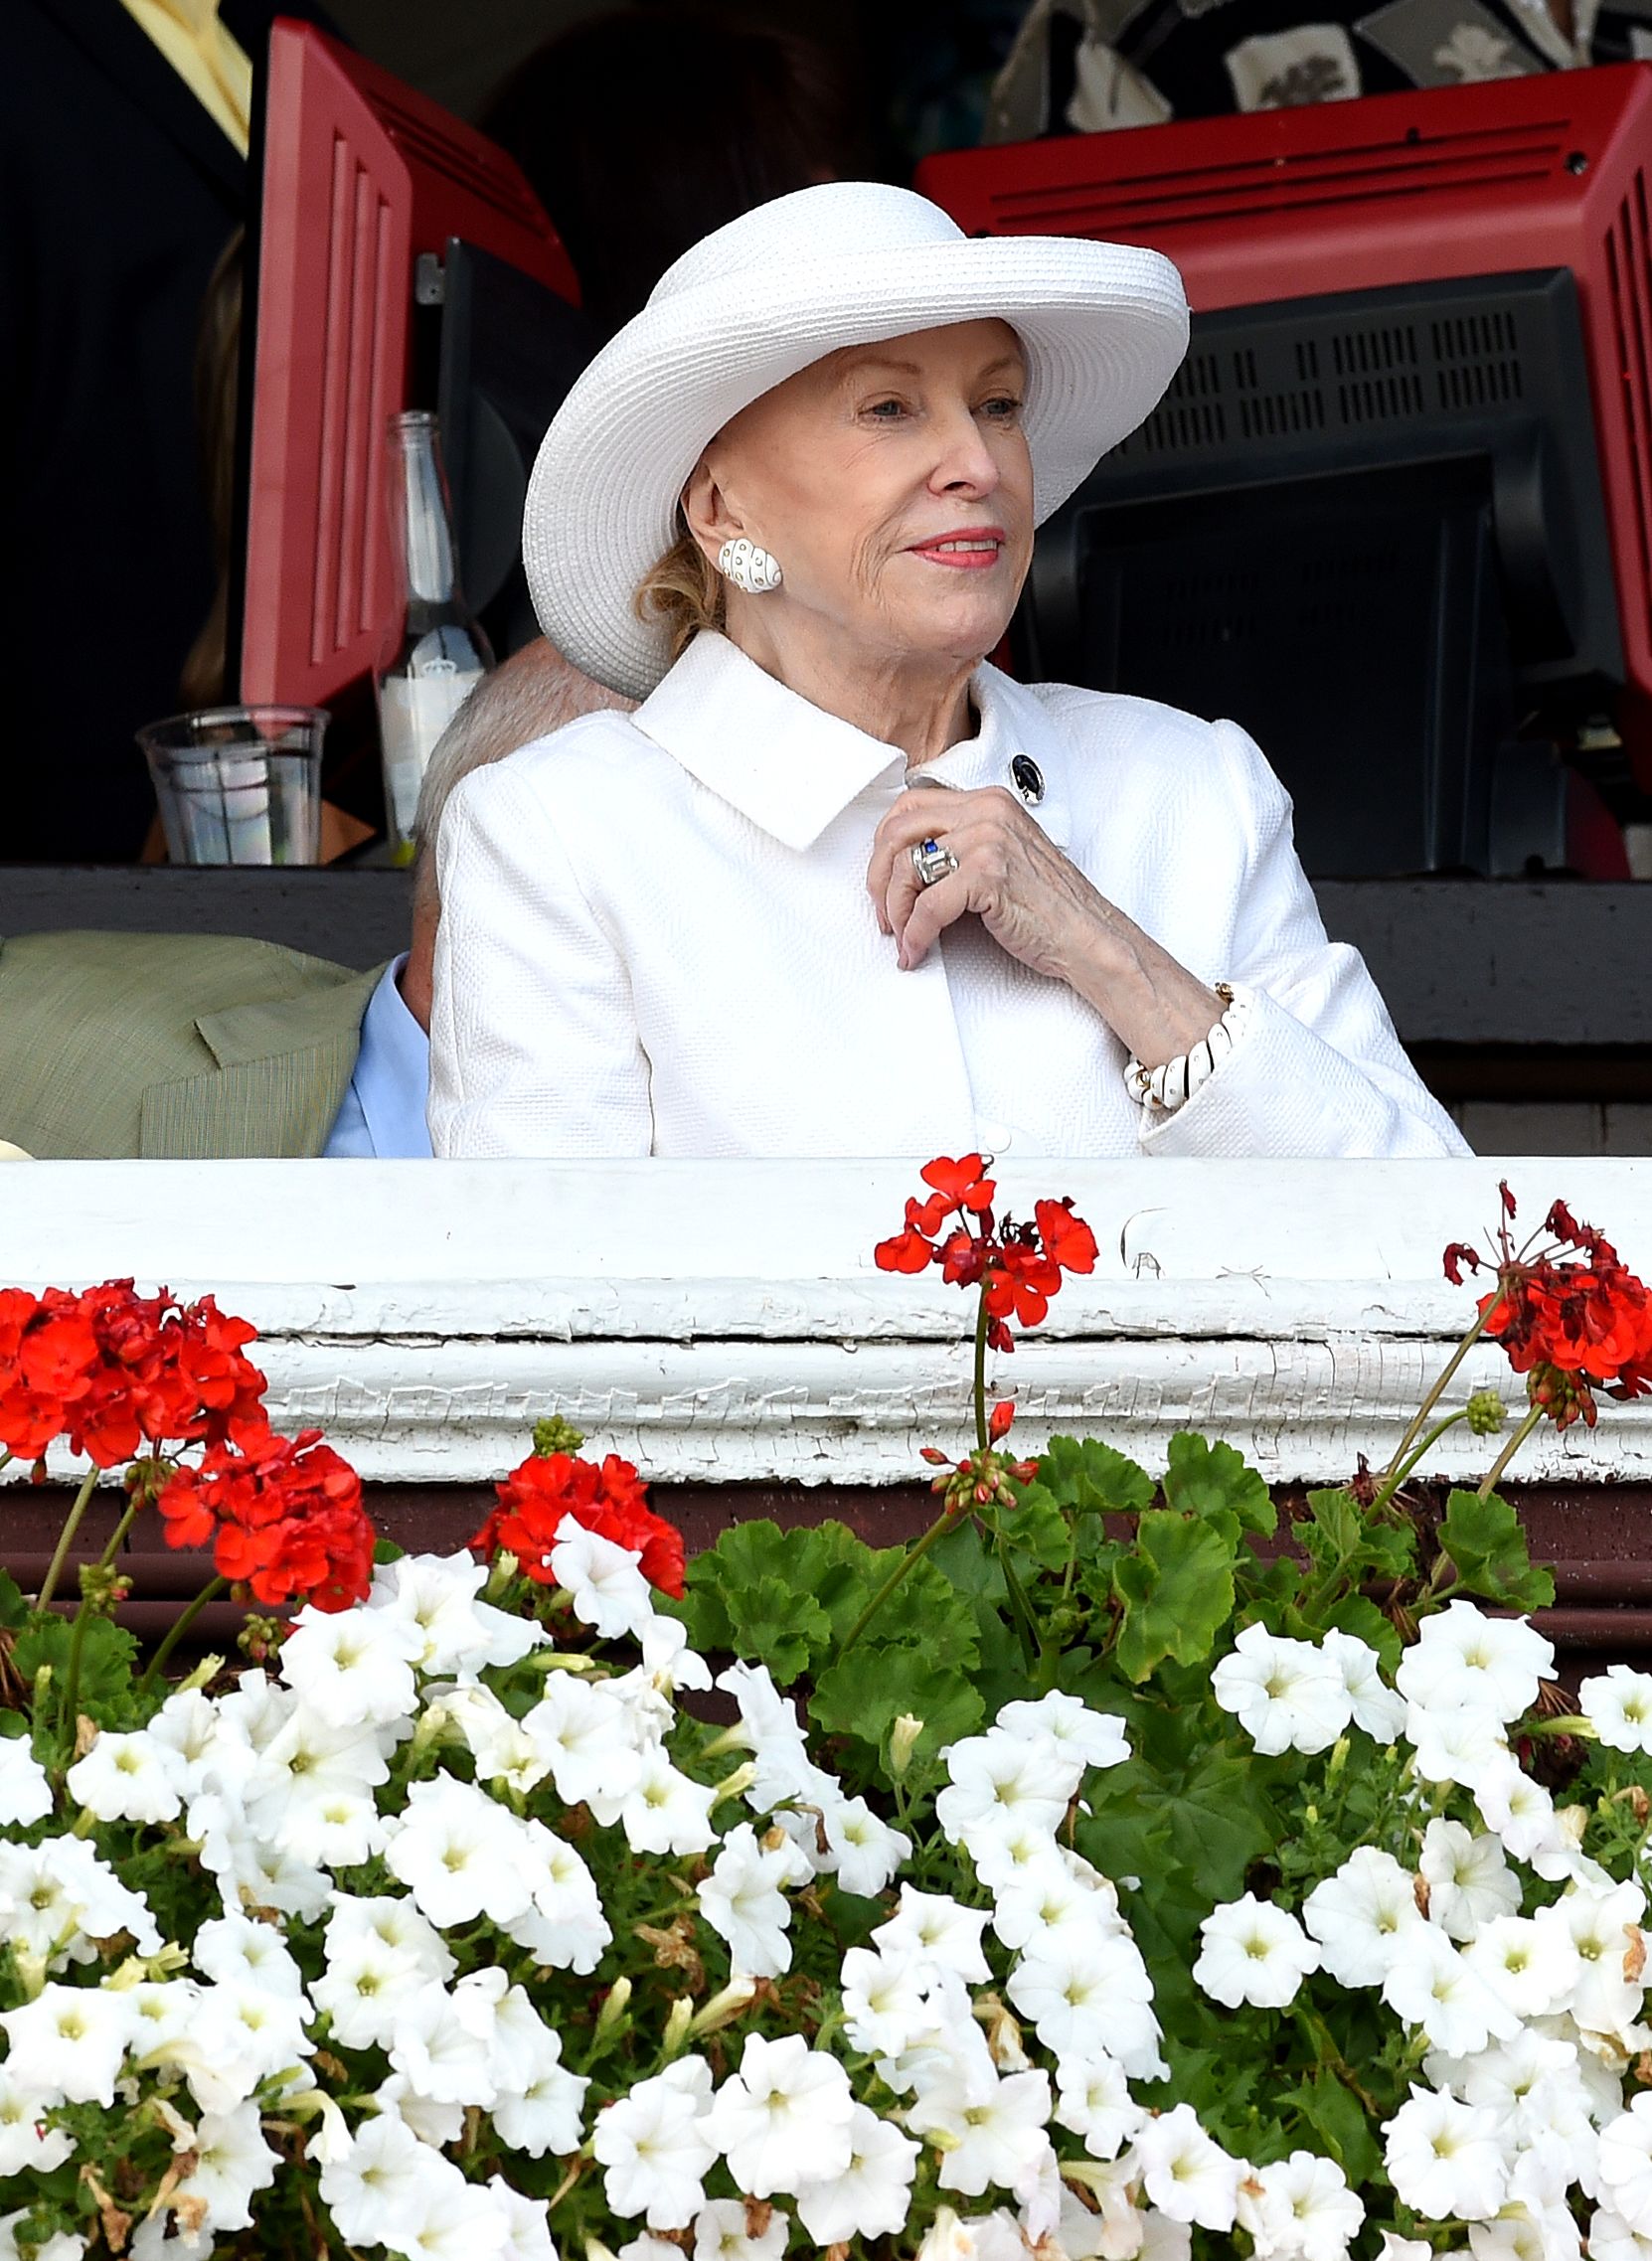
(1569, 1314)
(110, 1370)
(1019, 1267)
(607, 1496)
(284, 1516)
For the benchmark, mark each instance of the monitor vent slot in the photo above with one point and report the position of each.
(348, 601)
(1629, 282)
(1477, 360)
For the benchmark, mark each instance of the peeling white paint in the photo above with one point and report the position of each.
(725, 1322)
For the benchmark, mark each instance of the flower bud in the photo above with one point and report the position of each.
(735, 1738)
(679, 2025)
(1339, 1756)
(734, 1785)
(903, 1741)
(206, 1671)
(727, 2004)
(1486, 1414)
(502, 1571)
(612, 2011)
(556, 1435)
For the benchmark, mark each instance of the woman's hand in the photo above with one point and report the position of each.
(1039, 907)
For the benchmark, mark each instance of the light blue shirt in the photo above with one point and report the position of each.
(383, 1114)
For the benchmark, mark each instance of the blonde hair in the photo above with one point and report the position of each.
(683, 591)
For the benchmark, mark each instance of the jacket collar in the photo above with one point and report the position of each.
(793, 768)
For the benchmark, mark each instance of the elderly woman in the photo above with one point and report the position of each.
(839, 886)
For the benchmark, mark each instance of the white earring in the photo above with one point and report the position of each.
(749, 568)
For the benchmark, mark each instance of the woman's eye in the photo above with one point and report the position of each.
(887, 410)
(1004, 406)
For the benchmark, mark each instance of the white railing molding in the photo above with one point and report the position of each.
(725, 1322)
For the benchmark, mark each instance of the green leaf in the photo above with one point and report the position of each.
(1488, 1552)
(867, 1691)
(781, 1629)
(827, 1568)
(14, 1610)
(1091, 1478)
(1332, 1532)
(925, 1611)
(1338, 2118)
(1176, 1586)
(1036, 1526)
(387, 1551)
(1208, 1480)
(108, 1655)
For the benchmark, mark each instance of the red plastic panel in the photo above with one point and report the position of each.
(1517, 173)
(360, 175)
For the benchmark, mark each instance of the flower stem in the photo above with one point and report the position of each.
(120, 1530)
(918, 1548)
(1494, 1473)
(179, 1627)
(1442, 1383)
(981, 1439)
(65, 1537)
(1397, 1476)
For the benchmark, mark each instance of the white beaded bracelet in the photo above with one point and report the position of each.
(1163, 1089)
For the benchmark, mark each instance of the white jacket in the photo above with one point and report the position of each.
(656, 938)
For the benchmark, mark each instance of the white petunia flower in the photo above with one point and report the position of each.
(991, 2136)
(393, 1923)
(382, 2182)
(866, 1853)
(775, 1738)
(433, 2123)
(352, 1667)
(456, 1632)
(1532, 1966)
(73, 2040)
(1433, 1986)
(126, 1778)
(27, 2145)
(1599, 1923)
(528, 2223)
(565, 1929)
(1088, 1992)
(459, 2221)
(1463, 1657)
(1093, 2101)
(25, 1792)
(872, 2195)
(1375, 1705)
(742, 1901)
(1469, 1882)
(442, 2052)
(1001, 1781)
(1284, 1694)
(657, 2146)
(460, 1854)
(57, 1898)
(363, 1990)
(1456, 1742)
(1444, 2158)
(499, 1744)
(232, 2161)
(608, 1592)
(1363, 1917)
(1253, 1952)
(1521, 1814)
(934, 1927)
(242, 2034)
(783, 2119)
(1623, 2164)
(886, 2007)
(1085, 1737)
(1611, 2238)
(1186, 2175)
(339, 1829)
(580, 1728)
(1304, 2211)
(723, 2232)
(667, 1811)
(234, 1949)
(1618, 1705)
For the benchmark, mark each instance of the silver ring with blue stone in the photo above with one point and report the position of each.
(934, 861)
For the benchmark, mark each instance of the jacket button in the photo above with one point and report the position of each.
(1029, 779)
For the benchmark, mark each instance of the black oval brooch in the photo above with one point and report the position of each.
(1029, 778)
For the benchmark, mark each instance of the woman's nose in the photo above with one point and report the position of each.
(966, 459)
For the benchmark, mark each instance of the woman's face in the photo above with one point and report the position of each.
(894, 484)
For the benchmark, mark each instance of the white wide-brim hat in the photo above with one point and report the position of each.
(1103, 327)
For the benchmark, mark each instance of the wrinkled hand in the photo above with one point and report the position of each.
(1032, 901)
(1037, 905)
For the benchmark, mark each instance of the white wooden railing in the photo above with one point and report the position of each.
(725, 1323)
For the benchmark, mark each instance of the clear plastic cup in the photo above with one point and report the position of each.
(238, 784)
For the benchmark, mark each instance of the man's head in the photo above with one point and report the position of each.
(536, 691)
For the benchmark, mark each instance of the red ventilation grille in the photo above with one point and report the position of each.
(1171, 196)
(1629, 285)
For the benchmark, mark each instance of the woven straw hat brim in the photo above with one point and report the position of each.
(1103, 325)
